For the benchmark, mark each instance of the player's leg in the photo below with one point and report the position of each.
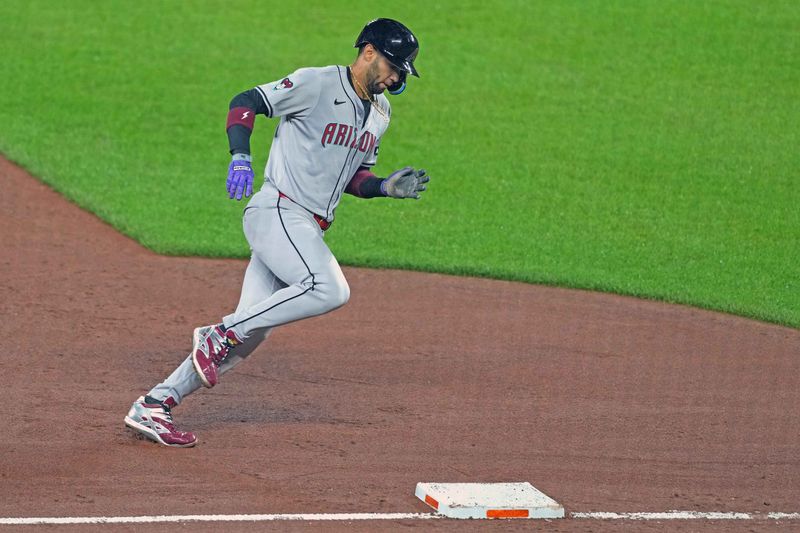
(287, 239)
(259, 283)
(151, 415)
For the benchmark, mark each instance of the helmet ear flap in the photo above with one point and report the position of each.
(400, 86)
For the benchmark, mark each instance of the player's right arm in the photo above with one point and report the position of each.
(296, 95)
(241, 117)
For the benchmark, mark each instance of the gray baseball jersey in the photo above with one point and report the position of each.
(322, 138)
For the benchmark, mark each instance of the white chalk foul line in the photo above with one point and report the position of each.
(784, 516)
(668, 515)
(214, 518)
(687, 515)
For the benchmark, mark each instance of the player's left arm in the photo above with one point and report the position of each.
(364, 184)
(404, 183)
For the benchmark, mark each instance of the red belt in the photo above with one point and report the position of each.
(324, 224)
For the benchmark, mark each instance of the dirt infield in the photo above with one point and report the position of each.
(603, 402)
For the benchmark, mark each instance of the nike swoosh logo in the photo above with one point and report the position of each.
(337, 102)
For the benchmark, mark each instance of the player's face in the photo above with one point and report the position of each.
(381, 74)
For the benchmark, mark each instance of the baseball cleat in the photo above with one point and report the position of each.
(153, 419)
(210, 347)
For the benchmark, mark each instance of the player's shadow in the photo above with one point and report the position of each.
(217, 414)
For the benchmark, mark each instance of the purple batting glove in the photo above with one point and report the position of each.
(240, 179)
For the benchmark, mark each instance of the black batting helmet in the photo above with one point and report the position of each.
(394, 41)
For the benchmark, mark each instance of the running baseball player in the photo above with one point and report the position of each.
(332, 120)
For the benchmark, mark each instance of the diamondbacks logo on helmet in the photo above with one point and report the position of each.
(285, 83)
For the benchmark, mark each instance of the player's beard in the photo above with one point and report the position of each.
(372, 76)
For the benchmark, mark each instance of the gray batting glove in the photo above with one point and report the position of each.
(405, 183)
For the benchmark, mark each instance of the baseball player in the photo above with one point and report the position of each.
(332, 120)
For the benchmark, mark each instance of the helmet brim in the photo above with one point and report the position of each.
(402, 64)
(409, 67)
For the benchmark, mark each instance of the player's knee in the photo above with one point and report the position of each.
(342, 293)
(337, 292)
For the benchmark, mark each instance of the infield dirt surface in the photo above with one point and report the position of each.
(604, 403)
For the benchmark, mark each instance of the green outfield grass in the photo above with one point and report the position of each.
(644, 147)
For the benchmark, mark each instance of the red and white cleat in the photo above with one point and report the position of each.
(153, 419)
(210, 347)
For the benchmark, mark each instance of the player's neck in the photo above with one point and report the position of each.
(357, 77)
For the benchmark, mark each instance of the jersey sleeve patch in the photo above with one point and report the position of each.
(285, 83)
(296, 94)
